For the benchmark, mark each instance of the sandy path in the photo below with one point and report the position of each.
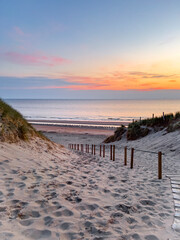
(63, 195)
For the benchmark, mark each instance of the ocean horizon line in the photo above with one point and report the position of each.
(94, 99)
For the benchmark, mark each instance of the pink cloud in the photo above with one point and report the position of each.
(18, 31)
(33, 59)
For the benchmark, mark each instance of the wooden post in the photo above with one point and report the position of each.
(81, 147)
(132, 157)
(103, 150)
(153, 115)
(125, 156)
(94, 149)
(72, 146)
(78, 147)
(100, 150)
(88, 148)
(140, 119)
(75, 146)
(110, 152)
(113, 152)
(160, 165)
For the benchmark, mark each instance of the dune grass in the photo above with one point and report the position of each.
(13, 127)
(139, 129)
(158, 121)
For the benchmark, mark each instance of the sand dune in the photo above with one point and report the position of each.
(60, 194)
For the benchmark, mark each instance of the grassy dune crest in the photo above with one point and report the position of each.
(139, 129)
(13, 127)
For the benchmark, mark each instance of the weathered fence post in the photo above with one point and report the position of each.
(125, 156)
(81, 147)
(160, 165)
(163, 116)
(94, 149)
(100, 150)
(78, 147)
(110, 152)
(113, 152)
(132, 157)
(103, 150)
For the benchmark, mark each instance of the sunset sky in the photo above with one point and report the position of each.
(74, 49)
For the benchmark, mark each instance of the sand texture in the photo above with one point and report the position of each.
(63, 194)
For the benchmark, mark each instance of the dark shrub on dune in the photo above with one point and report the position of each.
(117, 135)
(135, 131)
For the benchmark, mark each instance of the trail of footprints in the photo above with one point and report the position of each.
(94, 220)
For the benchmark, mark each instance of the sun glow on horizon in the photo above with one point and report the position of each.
(110, 47)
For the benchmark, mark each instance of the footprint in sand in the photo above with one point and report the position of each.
(42, 203)
(23, 178)
(146, 202)
(136, 236)
(6, 235)
(1, 194)
(37, 234)
(151, 237)
(26, 223)
(48, 221)
(65, 213)
(21, 185)
(2, 209)
(65, 225)
(10, 189)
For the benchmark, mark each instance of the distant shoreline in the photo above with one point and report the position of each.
(75, 127)
(81, 123)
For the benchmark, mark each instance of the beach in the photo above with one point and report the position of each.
(90, 120)
(74, 134)
(51, 192)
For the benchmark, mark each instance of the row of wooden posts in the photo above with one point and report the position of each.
(152, 117)
(102, 148)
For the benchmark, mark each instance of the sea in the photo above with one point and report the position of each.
(110, 112)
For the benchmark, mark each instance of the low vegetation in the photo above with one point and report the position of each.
(139, 129)
(117, 135)
(13, 127)
(135, 131)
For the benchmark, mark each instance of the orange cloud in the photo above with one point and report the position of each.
(124, 81)
(119, 81)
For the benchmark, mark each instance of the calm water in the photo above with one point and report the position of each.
(93, 110)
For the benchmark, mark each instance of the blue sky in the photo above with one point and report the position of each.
(90, 49)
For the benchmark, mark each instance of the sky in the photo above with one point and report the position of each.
(90, 49)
